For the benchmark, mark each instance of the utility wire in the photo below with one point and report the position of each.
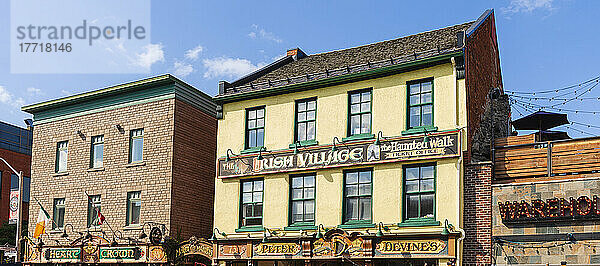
(555, 90)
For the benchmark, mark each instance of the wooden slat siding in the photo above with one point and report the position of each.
(572, 157)
(515, 140)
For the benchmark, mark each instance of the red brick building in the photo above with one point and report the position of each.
(143, 151)
(15, 148)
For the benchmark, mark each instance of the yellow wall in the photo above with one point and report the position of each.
(389, 115)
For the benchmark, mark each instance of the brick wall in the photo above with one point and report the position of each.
(482, 65)
(152, 178)
(477, 214)
(193, 189)
(583, 251)
(21, 162)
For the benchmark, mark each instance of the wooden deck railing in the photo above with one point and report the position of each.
(536, 159)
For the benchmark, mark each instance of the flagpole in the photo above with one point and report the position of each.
(19, 217)
(42, 207)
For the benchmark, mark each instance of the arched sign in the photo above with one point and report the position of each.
(195, 246)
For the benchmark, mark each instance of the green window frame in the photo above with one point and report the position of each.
(306, 120)
(420, 103)
(136, 145)
(419, 189)
(359, 112)
(58, 214)
(255, 127)
(62, 153)
(358, 191)
(94, 206)
(251, 201)
(97, 152)
(134, 207)
(302, 199)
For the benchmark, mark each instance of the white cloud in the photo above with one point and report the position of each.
(228, 67)
(8, 98)
(66, 92)
(182, 69)
(34, 91)
(193, 54)
(258, 32)
(152, 53)
(527, 6)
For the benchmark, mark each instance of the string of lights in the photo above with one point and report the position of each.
(542, 107)
(527, 109)
(586, 90)
(595, 79)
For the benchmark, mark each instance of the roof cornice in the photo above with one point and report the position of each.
(337, 80)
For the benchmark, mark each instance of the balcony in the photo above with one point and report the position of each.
(518, 157)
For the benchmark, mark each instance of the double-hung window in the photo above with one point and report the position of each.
(306, 119)
(359, 113)
(94, 205)
(419, 192)
(420, 103)
(252, 202)
(255, 127)
(357, 196)
(303, 199)
(62, 151)
(134, 206)
(97, 152)
(136, 145)
(58, 214)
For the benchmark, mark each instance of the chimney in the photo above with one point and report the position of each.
(296, 53)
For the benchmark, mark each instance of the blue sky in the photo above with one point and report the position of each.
(544, 44)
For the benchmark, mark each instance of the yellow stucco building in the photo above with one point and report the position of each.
(354, 156)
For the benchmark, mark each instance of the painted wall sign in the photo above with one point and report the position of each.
(337, 242)
(554, 209)
(195, 247)
(232, 250)
(366, 152)
(277, 249)
(394, 247)
(62, 254)
(123, 254)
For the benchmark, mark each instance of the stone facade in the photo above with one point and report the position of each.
(583, 250)
(176, 176)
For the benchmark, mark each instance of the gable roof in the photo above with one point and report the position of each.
(299, 69)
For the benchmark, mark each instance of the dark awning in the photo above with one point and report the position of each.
(540, 120)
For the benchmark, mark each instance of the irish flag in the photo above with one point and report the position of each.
(42, 221)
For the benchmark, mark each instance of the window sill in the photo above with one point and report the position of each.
(134, 164)
(250, 229)
(252, 150)
(419, 223)
(352, 225)
(304, 143)
(359, 137)
(60, 174)
(419, 130)
(96, 169)
(132, 227)
(300, 226)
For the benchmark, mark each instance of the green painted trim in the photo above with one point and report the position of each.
(419, 223)
(304, 143)
(355, 222)
(252, 150)
(359, 137)
(419, 130)
(348, 114)
(357, 225)
(348, 78)
(295, 137)
(301, 226)
(408, 127)
(250, 229)
(291, 201)
(264, 108)
(403, 199)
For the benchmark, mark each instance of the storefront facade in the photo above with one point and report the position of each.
(351, 157)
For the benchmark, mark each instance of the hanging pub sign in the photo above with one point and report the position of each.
(393, 149)
(550, 210)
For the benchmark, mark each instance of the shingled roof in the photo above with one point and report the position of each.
(300, 68)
